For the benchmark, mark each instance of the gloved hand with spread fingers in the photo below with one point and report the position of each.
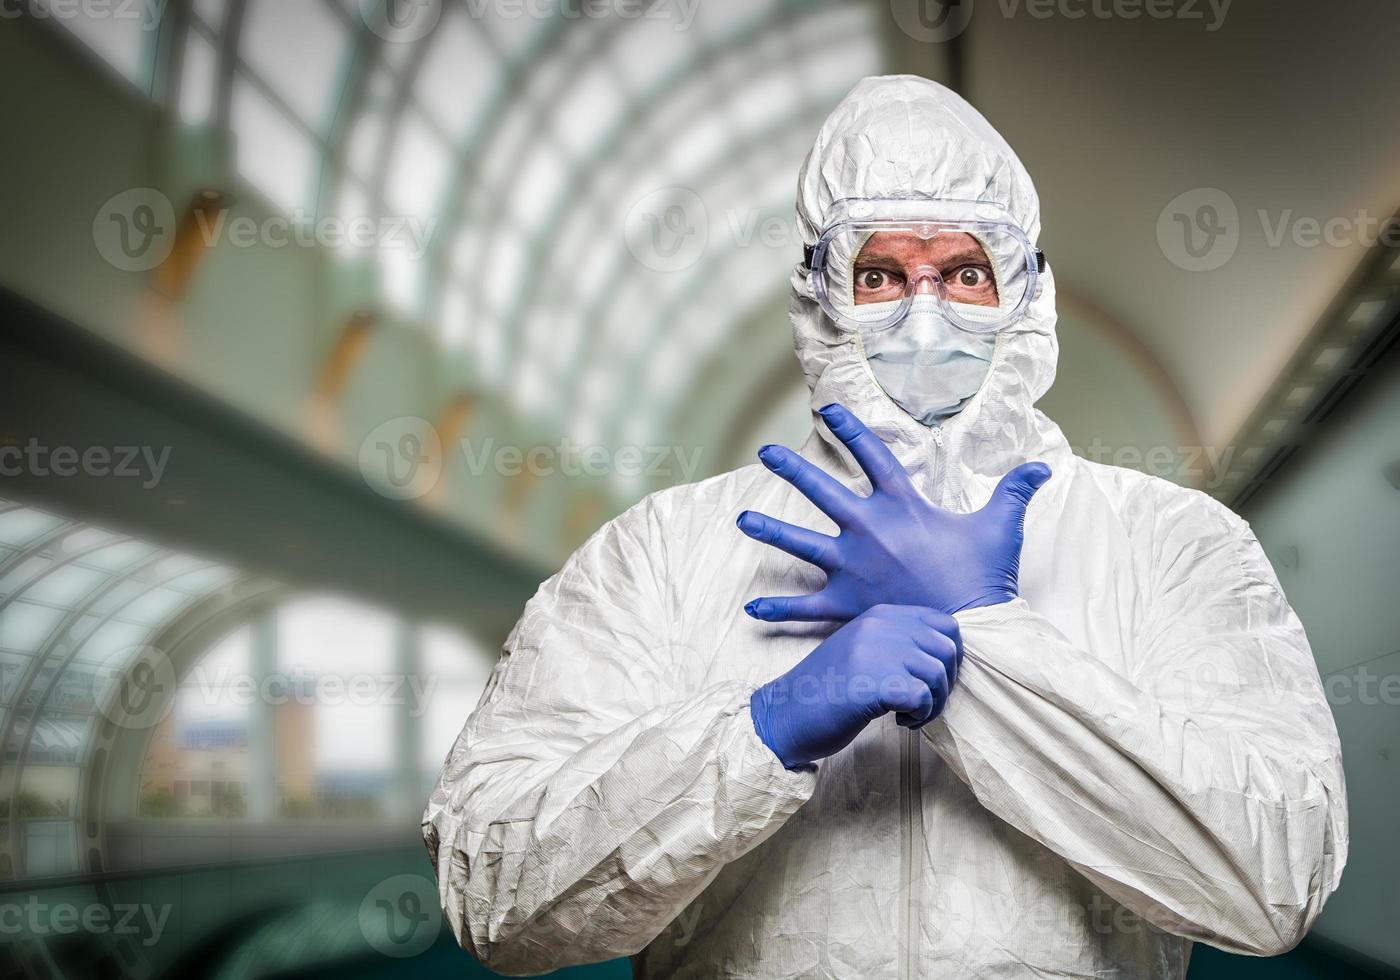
(894, 546)
(891, 658)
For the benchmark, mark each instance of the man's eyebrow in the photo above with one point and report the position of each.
(963, 253)
(967, 253)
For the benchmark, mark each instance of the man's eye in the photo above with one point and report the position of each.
(974, 277)
(874, 280)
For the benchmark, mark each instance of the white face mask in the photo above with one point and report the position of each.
(928, 365)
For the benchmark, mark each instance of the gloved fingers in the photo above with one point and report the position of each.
(937, 619)
(793, 608)
(932, 674)
(829, 496)
(943, 650)
(885, 471)
(800, 542)
(1016, 489)
(911, 700)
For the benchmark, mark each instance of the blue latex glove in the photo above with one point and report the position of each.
(891, 658)
(894, 547)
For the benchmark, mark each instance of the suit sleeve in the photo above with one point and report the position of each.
(1205, 791)
(593, 793)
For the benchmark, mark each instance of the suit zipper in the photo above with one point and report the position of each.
(911, 847)
(912, 791)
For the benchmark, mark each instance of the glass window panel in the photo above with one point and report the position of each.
(766, 102)
(501, 154)
(694, 149)
(115, 643)
(452, 324)
(116, 33)
(590, 108)
(24, 626)
(198, 79)
(539, 178)
(118, 556)
(156, 606)
(455, 79)
(117, 596)
(19, 577)
(50, 846)
(296, 48)
(272, 154)
(418, 170)
(341, 658)
(488, 344)
(66, 585)
(458, 670)
(506, 258)
(22, 525)
(724, 18)
(646, 50)
(204, 739)
(402, 279)
(513, 33)
(86, 539)
(76, 690)
(173, 565)
(202, 581)
(12, 668)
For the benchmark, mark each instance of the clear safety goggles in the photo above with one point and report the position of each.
(876, 256)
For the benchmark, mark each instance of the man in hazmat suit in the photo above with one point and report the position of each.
(967, 706)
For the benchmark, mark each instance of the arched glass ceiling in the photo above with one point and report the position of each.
(80, 606)
(526, 140)
(520, 145)
(77, 606)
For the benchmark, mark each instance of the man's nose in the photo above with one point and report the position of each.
(926, 284)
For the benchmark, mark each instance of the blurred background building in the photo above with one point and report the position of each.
(328, 328)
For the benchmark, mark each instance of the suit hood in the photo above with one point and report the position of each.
(901, 136)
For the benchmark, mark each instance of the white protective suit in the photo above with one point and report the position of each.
(1138, 752)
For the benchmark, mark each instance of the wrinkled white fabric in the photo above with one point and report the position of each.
(1138, 753)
